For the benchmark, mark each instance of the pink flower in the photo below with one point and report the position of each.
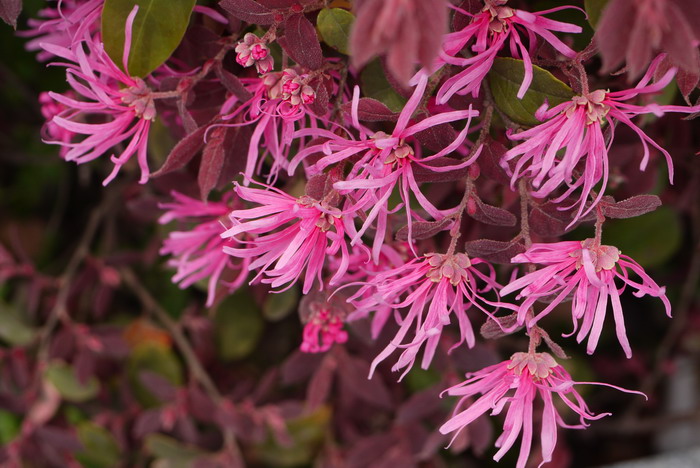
(516, 383)
(587, 270)
(198, 253)
(323, 322)
(253, 51)
(294, 234)
(490, 30)
(385, 162)
(571, 138)
(445, 285)
(123, 103)
(279, 104)
(62, 25)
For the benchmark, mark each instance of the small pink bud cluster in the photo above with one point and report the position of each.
(253, 51)
(294, 90)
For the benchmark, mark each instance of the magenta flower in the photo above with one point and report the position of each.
(587, 270)
(294, 235)
(490, 30)
(323, 319)
(253, 51)
(445, 285)
(198, 252)
(516, 383)
(571, 138)
(279, 104)
(384, 162)
(123, 103)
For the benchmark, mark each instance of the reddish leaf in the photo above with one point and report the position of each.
(320, 104)
(423, 174)
(236, 145)
(212, 162)
(320, 385)
(354, 378)
(10, 10)
(437, 137)
(232, 83)
(316, 186)
(492, 330)
(633, 206)
(158, 385)
(489, 161)
(547, 220)
(492, 215)
(423, 229)
(371, 110)
(494, 251)
(301, 42)
(183, 152)
(249, 10)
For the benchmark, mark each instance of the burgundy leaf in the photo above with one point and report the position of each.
(188, 121)
(183, 152)
(547, 220)
(423, 229)
(353, 377)
(10, 10)
(301, 42)
(437, 137)
(320, 385)
(249, 10)
(419, 406)
(232, 83)
(320, 104)
(461, 21)
(491, 330)
(633, 206)
(158, 385)
(494, 251)
(212, 162)
(613, 30)
(316, 186)
(371, 110)
(423, 174)
(489, 161)
(236, 145)
(492, 215)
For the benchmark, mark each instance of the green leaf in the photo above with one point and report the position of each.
(10, 425)
(158, 29)
(594, 9)
(150, 356)
(334, 25)
(505, 79)
(278, 305)
(62, 376)
(171, 452)
(12, 329)
(239, 325)
(375, 85)
(663, 236)
(100, 449)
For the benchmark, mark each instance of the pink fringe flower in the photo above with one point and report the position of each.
(323, 319)
(571, 138)
(516, 383)
(198, 253)
(124, 103)
(314, 230)
(385, 161)
(490, 30)
(587, 270)
(279, 104)
(445, 285)
(253, 51)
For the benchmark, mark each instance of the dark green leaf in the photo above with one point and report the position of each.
(278, 305)
(662, 236)
(10, 425)
(158, 29)
(594, 8)
(12, 329)
(62, 376)
(375, 85)
(334, 25)
(505, 79)
(155, 358)
(239, 325)
(172, 451)
(100, 450)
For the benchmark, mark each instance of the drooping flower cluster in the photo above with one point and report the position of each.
(253, 51)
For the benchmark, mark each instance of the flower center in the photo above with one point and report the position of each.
(400, 153)
(593, 104)
(139, 97)
(604, 257)
(539, 365)
(499, 14)
(453, 267)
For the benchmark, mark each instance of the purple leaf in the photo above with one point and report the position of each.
(188, 121)
(320, 385)
(183, 152)
(236, 145)
(158, 385)
(316, 186)
(424, 229)
(371, 110)
(354, 378)
(631, 207)
(249, 10)
(10, 10)
(494, 251)
(491, 330)
(492, 215)
(437, 137)
(233, 84)
(613, 31)
(548, 221)
(301, 42)
(212, 162)
(320, 104)
(489, 161)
